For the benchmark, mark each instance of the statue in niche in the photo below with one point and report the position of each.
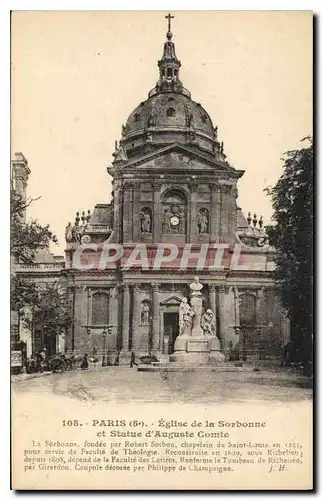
(208, 323)
(145, 313)
(186, 314)
(181, 215)
(145, 219)
(167, 228)
(203, 221)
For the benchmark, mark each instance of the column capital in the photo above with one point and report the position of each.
(116, 184)
(157, 184)
(223, 288)
(212, 288)
(155, 287)
(193, 184)
(226, 188)
(113, 290)
(137, 288)
(125, 288)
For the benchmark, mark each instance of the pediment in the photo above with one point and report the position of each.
(176, 157)
(172, 301)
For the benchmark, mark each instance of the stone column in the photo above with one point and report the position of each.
(114, 309)
(117, 210)
(156, 319)
(125, 318)
(157, 213)
(127, 212)
(233, 212)
(225, 209)
(135, 211)
(215, 212)
(193, 214)
(136, 318)
(222, 294)
(212, 298)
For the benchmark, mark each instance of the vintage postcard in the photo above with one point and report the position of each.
(161, 250)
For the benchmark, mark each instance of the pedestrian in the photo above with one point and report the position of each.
(133, 359)
(39, 360)
(85, 363)
(117, 359)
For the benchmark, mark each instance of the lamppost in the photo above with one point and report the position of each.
(104, 335)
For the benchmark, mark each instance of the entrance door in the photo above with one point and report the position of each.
(171, 331)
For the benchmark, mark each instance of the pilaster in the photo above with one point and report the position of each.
(127, 212)
(212, 298)
(215, 212)
(157, 212)
(117, 210)
(136, 210)
(136, 318)
(156, 318)
(125, 318)
(193, 214)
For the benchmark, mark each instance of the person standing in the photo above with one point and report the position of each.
(133, 360)
(85, 362)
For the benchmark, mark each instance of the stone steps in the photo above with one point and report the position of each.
(198, 367)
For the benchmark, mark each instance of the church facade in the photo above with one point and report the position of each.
(174, 197)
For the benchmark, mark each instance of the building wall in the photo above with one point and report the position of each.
(265, 338)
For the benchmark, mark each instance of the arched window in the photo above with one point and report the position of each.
(169, 72)
(247, 309)
(100, 305)
(170, 112)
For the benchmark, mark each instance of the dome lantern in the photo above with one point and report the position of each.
(169, 66)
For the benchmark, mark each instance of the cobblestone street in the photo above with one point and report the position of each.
(124, 385)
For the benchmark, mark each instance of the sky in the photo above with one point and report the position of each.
(76, 77)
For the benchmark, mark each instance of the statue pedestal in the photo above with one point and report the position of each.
(194, 346)
(197, 349)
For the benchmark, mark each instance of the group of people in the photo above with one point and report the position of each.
(59, 362)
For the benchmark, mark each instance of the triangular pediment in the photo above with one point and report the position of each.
(176, 157)
(172, 301)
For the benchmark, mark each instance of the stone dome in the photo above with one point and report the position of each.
(169, 115)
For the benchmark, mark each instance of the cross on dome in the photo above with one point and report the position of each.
(169, 17)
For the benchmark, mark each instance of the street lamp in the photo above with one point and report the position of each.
(104, 335)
